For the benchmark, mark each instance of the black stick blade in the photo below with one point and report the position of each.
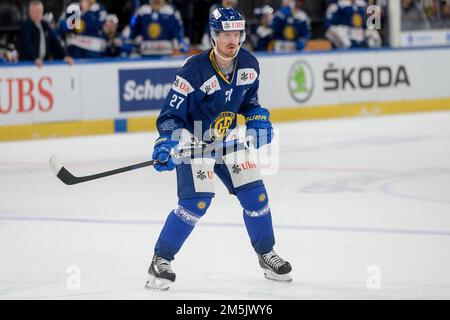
(65, 176)
(68, 178)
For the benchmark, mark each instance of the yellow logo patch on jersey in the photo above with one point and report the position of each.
(80, 26)
(154, 30)
(289, 33)
(357, 20)
(220, 126)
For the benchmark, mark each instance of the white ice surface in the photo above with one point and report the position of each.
(350, 194)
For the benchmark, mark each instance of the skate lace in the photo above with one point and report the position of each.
(273, 260)
(163, 265)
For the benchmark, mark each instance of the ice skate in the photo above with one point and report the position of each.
(274, 267)
(160, 274)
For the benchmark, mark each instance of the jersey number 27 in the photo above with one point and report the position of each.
(176, 101)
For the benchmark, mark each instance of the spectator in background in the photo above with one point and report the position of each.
(38, 42)
(114, 43)
(437, 12)
(262, 35)
(316, 11)
(84, 33)
(291, 28)
(413, 16)
(156, 27)
(8, 53)
(347, 28)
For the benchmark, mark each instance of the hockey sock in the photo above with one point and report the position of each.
(257, 218)
(179, 225)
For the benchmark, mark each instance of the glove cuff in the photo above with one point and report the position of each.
(258, 114)
(165, 139)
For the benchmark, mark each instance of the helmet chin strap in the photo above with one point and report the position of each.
(216, 51)
(222, 57)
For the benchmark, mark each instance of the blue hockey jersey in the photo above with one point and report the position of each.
(201, 92)
(291, 30)
(346, 22)
(85, 31)
(157, 29)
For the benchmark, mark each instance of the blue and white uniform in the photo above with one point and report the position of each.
(291, 30)
(84, 35)
(205, 102)
(201, 92)
(155, 31)
(347, 28)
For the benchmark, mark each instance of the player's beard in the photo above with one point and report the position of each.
(228, 52)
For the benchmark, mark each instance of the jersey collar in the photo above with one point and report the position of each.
(219, 72)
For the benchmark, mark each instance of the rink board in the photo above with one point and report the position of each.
(126, 95)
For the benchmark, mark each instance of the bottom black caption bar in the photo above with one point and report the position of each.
(228, 309)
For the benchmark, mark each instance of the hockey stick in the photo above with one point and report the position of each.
(68, 178)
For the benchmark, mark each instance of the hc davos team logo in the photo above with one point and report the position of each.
(220, 126)
(301, 81)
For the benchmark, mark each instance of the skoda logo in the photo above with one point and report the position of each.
(301, 81)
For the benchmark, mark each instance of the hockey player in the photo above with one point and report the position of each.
(155, 27)
(291, 28)
(8, 53)
(262, 33)
(114, 43)
(84, 33)
(206, 96)
(347, 28)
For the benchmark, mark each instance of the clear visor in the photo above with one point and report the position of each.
(215, 36)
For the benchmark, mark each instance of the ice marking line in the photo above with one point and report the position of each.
(386, 189)
(217, 224)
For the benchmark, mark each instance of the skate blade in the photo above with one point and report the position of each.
(157, 283)
(268, 274)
